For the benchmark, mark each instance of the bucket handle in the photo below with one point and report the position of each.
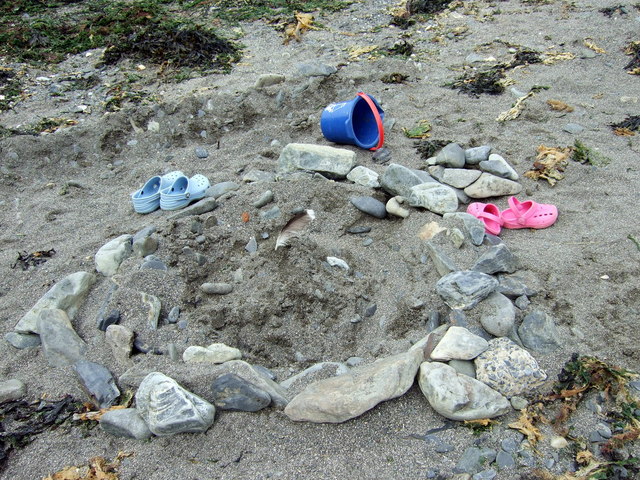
(376, 115)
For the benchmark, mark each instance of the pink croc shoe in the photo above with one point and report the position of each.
(529, 214)
(489, 214)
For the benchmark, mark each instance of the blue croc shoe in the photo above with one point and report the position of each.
(183, 191)
(147, 199)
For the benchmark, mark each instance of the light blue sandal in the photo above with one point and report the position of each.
(147, 199)
(183, 191)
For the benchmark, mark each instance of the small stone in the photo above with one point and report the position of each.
(505, 460)
(111, 319)
(398, 179)
(496, 165)
(393, 207)
(538, 332)
(465, 289)
(370, 206)
(558, 442)
(153, 264)
(264, 199)
(231, 392)
(214, 353)
(336, 162)
(458, 177)
(497, 259)
(216, 288)
(219, 189)
(97, 382)
(23, 340)
(573, 128)
(154, 305)
(370, 310)
(125, 422)
(358, 230)
(315, 69)
(120, 339)
(269, 79)
(474, 156)
(60, 343)
(112, 254)
(271, 214)
(252, 245)
(338, 262)
(354, 361)
(497, 315)
(435, 197)
(460, 344)
(364, 176)
(382, 155)
(199, 208)
(510, 445)
(452, 155)
(174, 314)
(11, 390)
(473, 458)
(519, 403)
(489, 185)
(201, 152)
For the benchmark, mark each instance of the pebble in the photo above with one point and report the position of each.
(11, 390)
(264, 199)
(216, 288)
(398, 179)
(505, 460)
(252, 245)
(473, 458)
(497, 165)
(465, 289)
(337, 262)
(315, 69)
(201, 152)
(68, 294)
(23, 340)
(434, 196)
(174, 315)
(459, 344)
(358, 230)
(370, 206)
(125, 422)
(457, 177)
(151, 263)
(154, 305)
(120, 339)
(452, 155)
(111, 319)
(538, 332)
(442, 262)
(61, 345)
(472, 226)
(214, 353)
(489, 185)
(269, 79)
(364, 176)
(112, 254)
(519, 403)
(168, 409)
(498, 315)
(558, 442)
(510, 445)
(573, 128)
(497, 259)
(232, 392)
(508, 368)
(260, 175)
(475, 155)
(97, 382)
(219, 189)
(382, 155)
(336, 162)
(271, 214)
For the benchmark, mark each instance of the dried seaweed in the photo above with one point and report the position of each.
(98, 468)
(428, 7)
(633, 67)
(26, 260)
(609, 11)
(403, 48)
(421, 130)
(559, 106)
(549, 164)
(394, 78)
(627, 127)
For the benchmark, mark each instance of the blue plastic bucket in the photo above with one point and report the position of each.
(355, 122)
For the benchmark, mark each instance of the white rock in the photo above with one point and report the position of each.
(489, 185)
(214, 353)
(459, 177)
(112, 254)
(364, 176)
(393, 207)
(457, 396)
(459, 344)
(317, 158)
(337, 262)
(435, 197)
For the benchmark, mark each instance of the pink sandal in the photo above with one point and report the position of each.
(528, 214)
(489, 214)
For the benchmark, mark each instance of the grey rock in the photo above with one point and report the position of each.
(112, 254)
(201, 152)
(364, 176)
(174, 315)
(111, 318)
(151, 263)
(97, 382)
(497, 315)
(336, 162)
(271, 213)
(497, 259)
(144, 246)
(269, 79)
(398, 179)
(66, 295)
(472, 226)
(315, 69)
(168, 408)
(253, 176)
(465, 289)
(459, 344)
(473, 459)
(382, 155)
(11, 390)
(573, 128)
(457, 396)
(474, 156)
(337, 399)
(205, 205)
(514, 286)
(522, 302)
(538, 332)
(319, 371)
(216, 288)
(458, 177)
(264, 199)
(23, 340)
(252, 245)
(464, 367)
(443, 447)
(144, 233)
(214, 353)
(510, 445)
(60, 343)
(153, 309)
(435, 197)
(443, 263)
(489, 185)
(125, 422)
(505, 460)
(370, 206)
(354, 361)
(219, 189)
(498, 166)
(451, 155)
(508, 368)
(279, 396)
(231, 392)
(488, 474)
(518, 403)
(120, 340)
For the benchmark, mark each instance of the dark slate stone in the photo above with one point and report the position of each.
(382, 155)
(370, 310)
(370, 205)
(473, 459)
(111, 319)
(433, 321)
(98, 382)
(201, 152)
(465, 289)
(496, 259)
(140, 346)
(443, 263)
(474, 156)
(174, 314)
(125, 422)
(538, 332)
(513, 286)
(23, 340)
(154, 264)
(265, 372)
(505, 460)
(358, 229)
(510, 445)
(232, 392)
(443, 447)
